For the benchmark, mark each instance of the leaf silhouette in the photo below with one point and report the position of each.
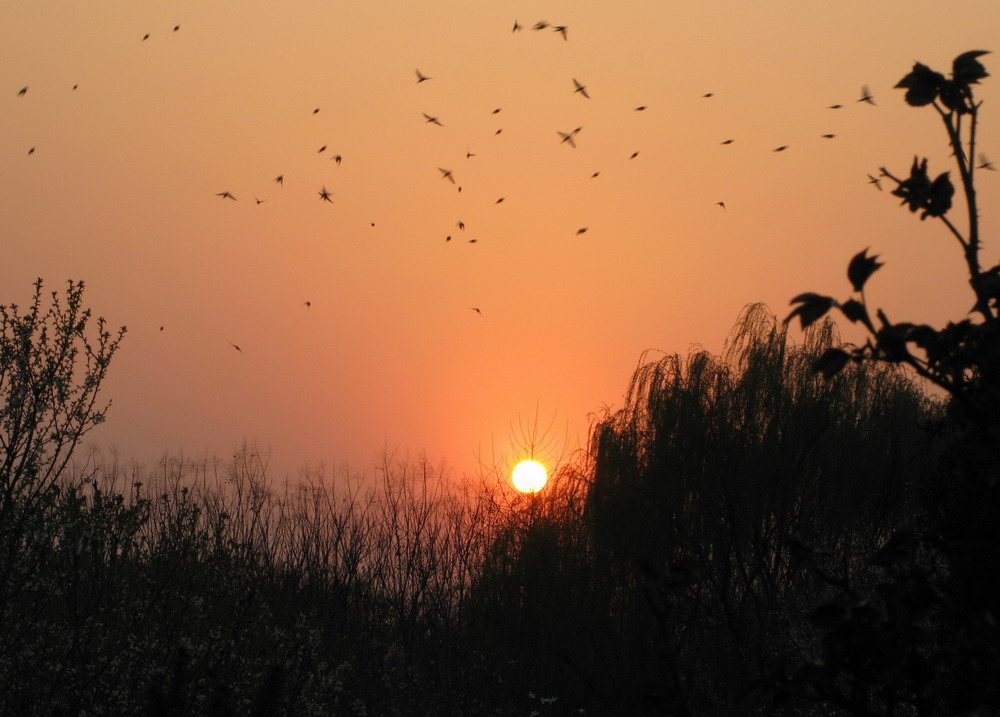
(966, 69)
(813, 307)
(922, 85)
(855, 310)
(861, 267)
(831, 362)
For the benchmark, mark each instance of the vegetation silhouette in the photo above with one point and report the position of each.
(742, 536)
(927, 642)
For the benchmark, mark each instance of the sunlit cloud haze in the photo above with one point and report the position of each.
(122, 193)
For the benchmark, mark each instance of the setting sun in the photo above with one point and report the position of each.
(529, 476)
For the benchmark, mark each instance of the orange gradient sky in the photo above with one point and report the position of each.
(121, 193)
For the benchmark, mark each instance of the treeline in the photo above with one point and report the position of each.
(669, 569)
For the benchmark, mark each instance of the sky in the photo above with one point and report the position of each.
(357, 319)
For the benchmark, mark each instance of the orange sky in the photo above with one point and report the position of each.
(121, 193)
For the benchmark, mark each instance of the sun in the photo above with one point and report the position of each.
(529, 476)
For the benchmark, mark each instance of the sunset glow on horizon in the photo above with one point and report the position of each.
(460, 233)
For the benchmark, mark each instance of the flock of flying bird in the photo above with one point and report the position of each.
(568, 138)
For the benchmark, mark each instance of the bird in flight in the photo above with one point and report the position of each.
(634, 155)
(498, 132)
(496, 111)
(225, 195)
(568, 137)
(23, 91)
(834, 107)
(640, 108)
(540, 25)
(236, 347)
(721, 204)
(280, 180)
(421, 77)
(145, 37)
(337, 158)
(31, 151)
(829, 136)
(595, 175)
(562, 29)
(321, 149)
(876, 181)
(866, 95)
(473, 241)
(580, 88)
(782, 148)
(316, 111)
(176, 28)
(446, 174)
(75, 86)
(461, 225)
(469, 154)
(728, 141)
(307, 304)
(581, 230)
(435, 120)
(517, 27)
(477, 310)
(500, 200)
(985, 163)
(708, 94)
(259, 201)
(324, 195)
(448, 238)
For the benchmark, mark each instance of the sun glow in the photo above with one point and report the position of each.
(529, 476)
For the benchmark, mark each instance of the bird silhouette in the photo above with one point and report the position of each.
(834, 107)
(321, 149)
(448, 238)
(500, 200)
(236, 347)
(985, 163)
(307, 304)
(866, 95)
(23, 91)
(469, 154)
(496, 111)
(477, 310)
(708, 94)
(829, 136)
(225, 195)
(145, 37)
(517, 27)
(562, 29)
(540, 25)
(498, 132)
(421, 77)
(634, 155)
(782, 148)
(721, 204)
(473, 241)
(259, 201)
(727, 141)
(446, 174)
(876, 181)
(581, 230)
(640, 108)
(280, 180)
(31, 151)
(316, 111)
(176, 28)
(337, 158)
(75, 86)
(595, 175)
(461, 225)
(580, 88)
(433, 120)
(324, 195)
(568, 137)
